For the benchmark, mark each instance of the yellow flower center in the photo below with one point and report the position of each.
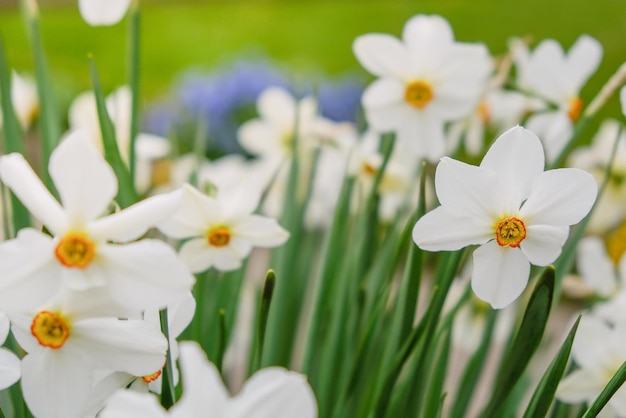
(575, 107)
(369, 169)
(75, 249)
(151, 377)
(510, 232)
(418, 94)
(484, 112)
(50, 329)
(219, 236)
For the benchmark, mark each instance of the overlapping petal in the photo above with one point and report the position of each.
(131, 404)
(9, 368)
(383, 55)
(438, 230)
(543, 243)
(261, 231)
(582, 60)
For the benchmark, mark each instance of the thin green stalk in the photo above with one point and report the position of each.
(222, 338)
(133, 78)
(261, 320)
(168, 390)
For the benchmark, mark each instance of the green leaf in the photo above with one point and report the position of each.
(168, 392)
(544, 393)
(126, 192)
(261, 321)
(525, 343)
(603, 398)
(133, 81)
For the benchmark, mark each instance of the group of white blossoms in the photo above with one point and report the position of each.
(65, 291)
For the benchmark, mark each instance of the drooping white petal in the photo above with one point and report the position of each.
(595, 266)
(55, 383)
(466, 190)
(133, 404)
(259, 137)
(132, 346)
(390, 117)
(9, 368)
(545, 66)
(261, 231)
(500, 274)
(22, 180)
(197, 254)
(228, 258)
(543, 243)
(583, 59)
(132, 222)
(30, 272)
(582, 385)
(383, 55)
(277, 106)
(144, 274)
(85, 181)
(204, 393)
(560, 197)
(102, 390)
(103, 12)
(438, 230)
(517, 159)
(275, 393)
(386, 92)
(427, 38)
(424, 135)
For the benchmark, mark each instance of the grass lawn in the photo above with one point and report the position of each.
(306, 35)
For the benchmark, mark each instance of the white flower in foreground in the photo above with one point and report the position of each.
(9, 363)
(518, 213)
(222, 230)
(270, 393)
(558, 78)
(103, 12)
(85, 250)
(425, 80)
(67, 342)
(599, 352)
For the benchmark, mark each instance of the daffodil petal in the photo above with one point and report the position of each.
(466, 190)
(261, 231)
(583, 59)
(587, 351)
(582, 385)
(197, 254)
(85, 181)
(543, 243)
(427, 38)
(438, 230)
(204, 392)
(517, 159)
(132, 346)
(560, 197)
(9, 368)
(103, 12)
(134, 221)
(133, 404)
(144, 275)
(5, 326)
(22, 180)
(194, 216)
(45, 392)
(383, 55)
(595, 266)
(500, 274)
(277, 106)
(275, 392)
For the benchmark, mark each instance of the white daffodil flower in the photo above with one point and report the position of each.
(425, 80)
(508, 205)
(611, 207)
(84, 250)
(599, 352)
(67, 341)
(9, 363)
(558, 78)
(103, 12)
(270, 393)
(221, 231)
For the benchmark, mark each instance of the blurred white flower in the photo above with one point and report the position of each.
(611, 207)
(557, 78)
(425, 80)
(83, 114)
(222, 230)
(103, 12)
(9, 363)
(270, 393)
(67, 341)
(599, 352)
(622, 98)
(84, 250)
(25, 100)
(518, 213)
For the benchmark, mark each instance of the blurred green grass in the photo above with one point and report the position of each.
(307, 36)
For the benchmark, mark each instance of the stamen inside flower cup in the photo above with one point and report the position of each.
(510, 232)
(50, 329)
(575, 108)
(418, 94)
(151, 377)
(219, 236)
(75, 249)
